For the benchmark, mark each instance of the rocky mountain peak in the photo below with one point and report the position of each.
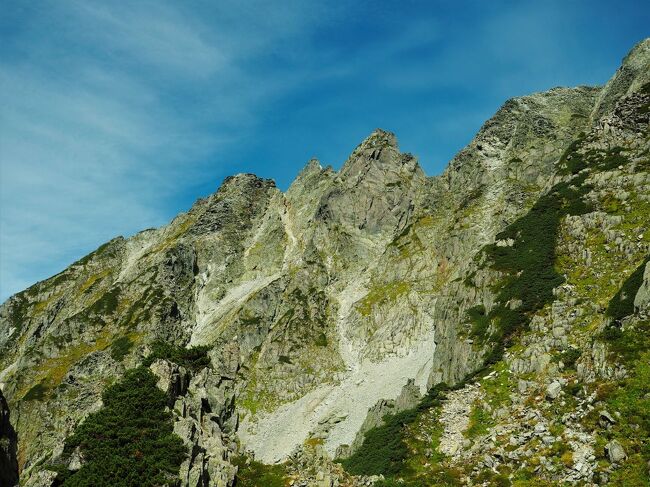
(375, 190)
(379, 138)
(244, 181)
(311, 169)
(238, 199)
(312, 166)
(378, 151)
(639, 57)
(521, 275)
(633, 73)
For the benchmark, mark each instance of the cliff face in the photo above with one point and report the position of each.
(359, 290)
(8, 444)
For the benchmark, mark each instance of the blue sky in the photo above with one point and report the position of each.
(115, 116)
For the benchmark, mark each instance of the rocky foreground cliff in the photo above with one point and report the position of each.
(372, 325)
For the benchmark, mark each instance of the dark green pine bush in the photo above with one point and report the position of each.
(384, 448)
(529, 264)
(129, 442)
(193, 358)
(480, 321)
(120, 348)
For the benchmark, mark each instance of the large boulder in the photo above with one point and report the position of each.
(615, 451)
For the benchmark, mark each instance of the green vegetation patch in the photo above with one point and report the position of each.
(141, 310)
(120, 348)
(321, 340)
(568, 357)
(384, 449)
(381, 294)
(573, 162)
(631, 398)
(627, 344)
(480, 322)
(255, 474)
(480, 421)
(528, 264)
(36, 393)
(129, 442)
(107, 303)
(193, 358)
(444, 481)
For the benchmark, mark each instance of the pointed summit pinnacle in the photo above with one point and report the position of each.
(379, 138)
(379, 147)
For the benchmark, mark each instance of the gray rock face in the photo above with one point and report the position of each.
(8, 445)
(346, 296)
(631, 76)
(205, 419)
(615, 452)
(642, 298)
(553, 390)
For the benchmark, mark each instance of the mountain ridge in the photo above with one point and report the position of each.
(335, 302)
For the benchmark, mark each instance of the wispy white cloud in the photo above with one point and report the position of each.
(109, 110)
(153, 34)
(111, 113)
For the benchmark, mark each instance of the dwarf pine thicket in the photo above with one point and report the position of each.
(129, 442)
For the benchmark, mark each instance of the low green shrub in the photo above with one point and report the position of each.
(391, 482)
(321, 340)
(120, 348)
(107, 303)
(611, 159)
(193, 358)
(384, 449)
(628, 344)
(568, 357)
(631, 398)
(528, 264)
(255, 474)
(572, 162)
(480, 322)
(479, 422)
(36, 393)
(129, 442)
(612, 332)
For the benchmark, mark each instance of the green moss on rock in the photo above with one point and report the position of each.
(251, 473)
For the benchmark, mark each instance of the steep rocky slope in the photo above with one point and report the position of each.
(359, 291)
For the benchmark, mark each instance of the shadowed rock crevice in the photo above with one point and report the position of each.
(8, 447)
